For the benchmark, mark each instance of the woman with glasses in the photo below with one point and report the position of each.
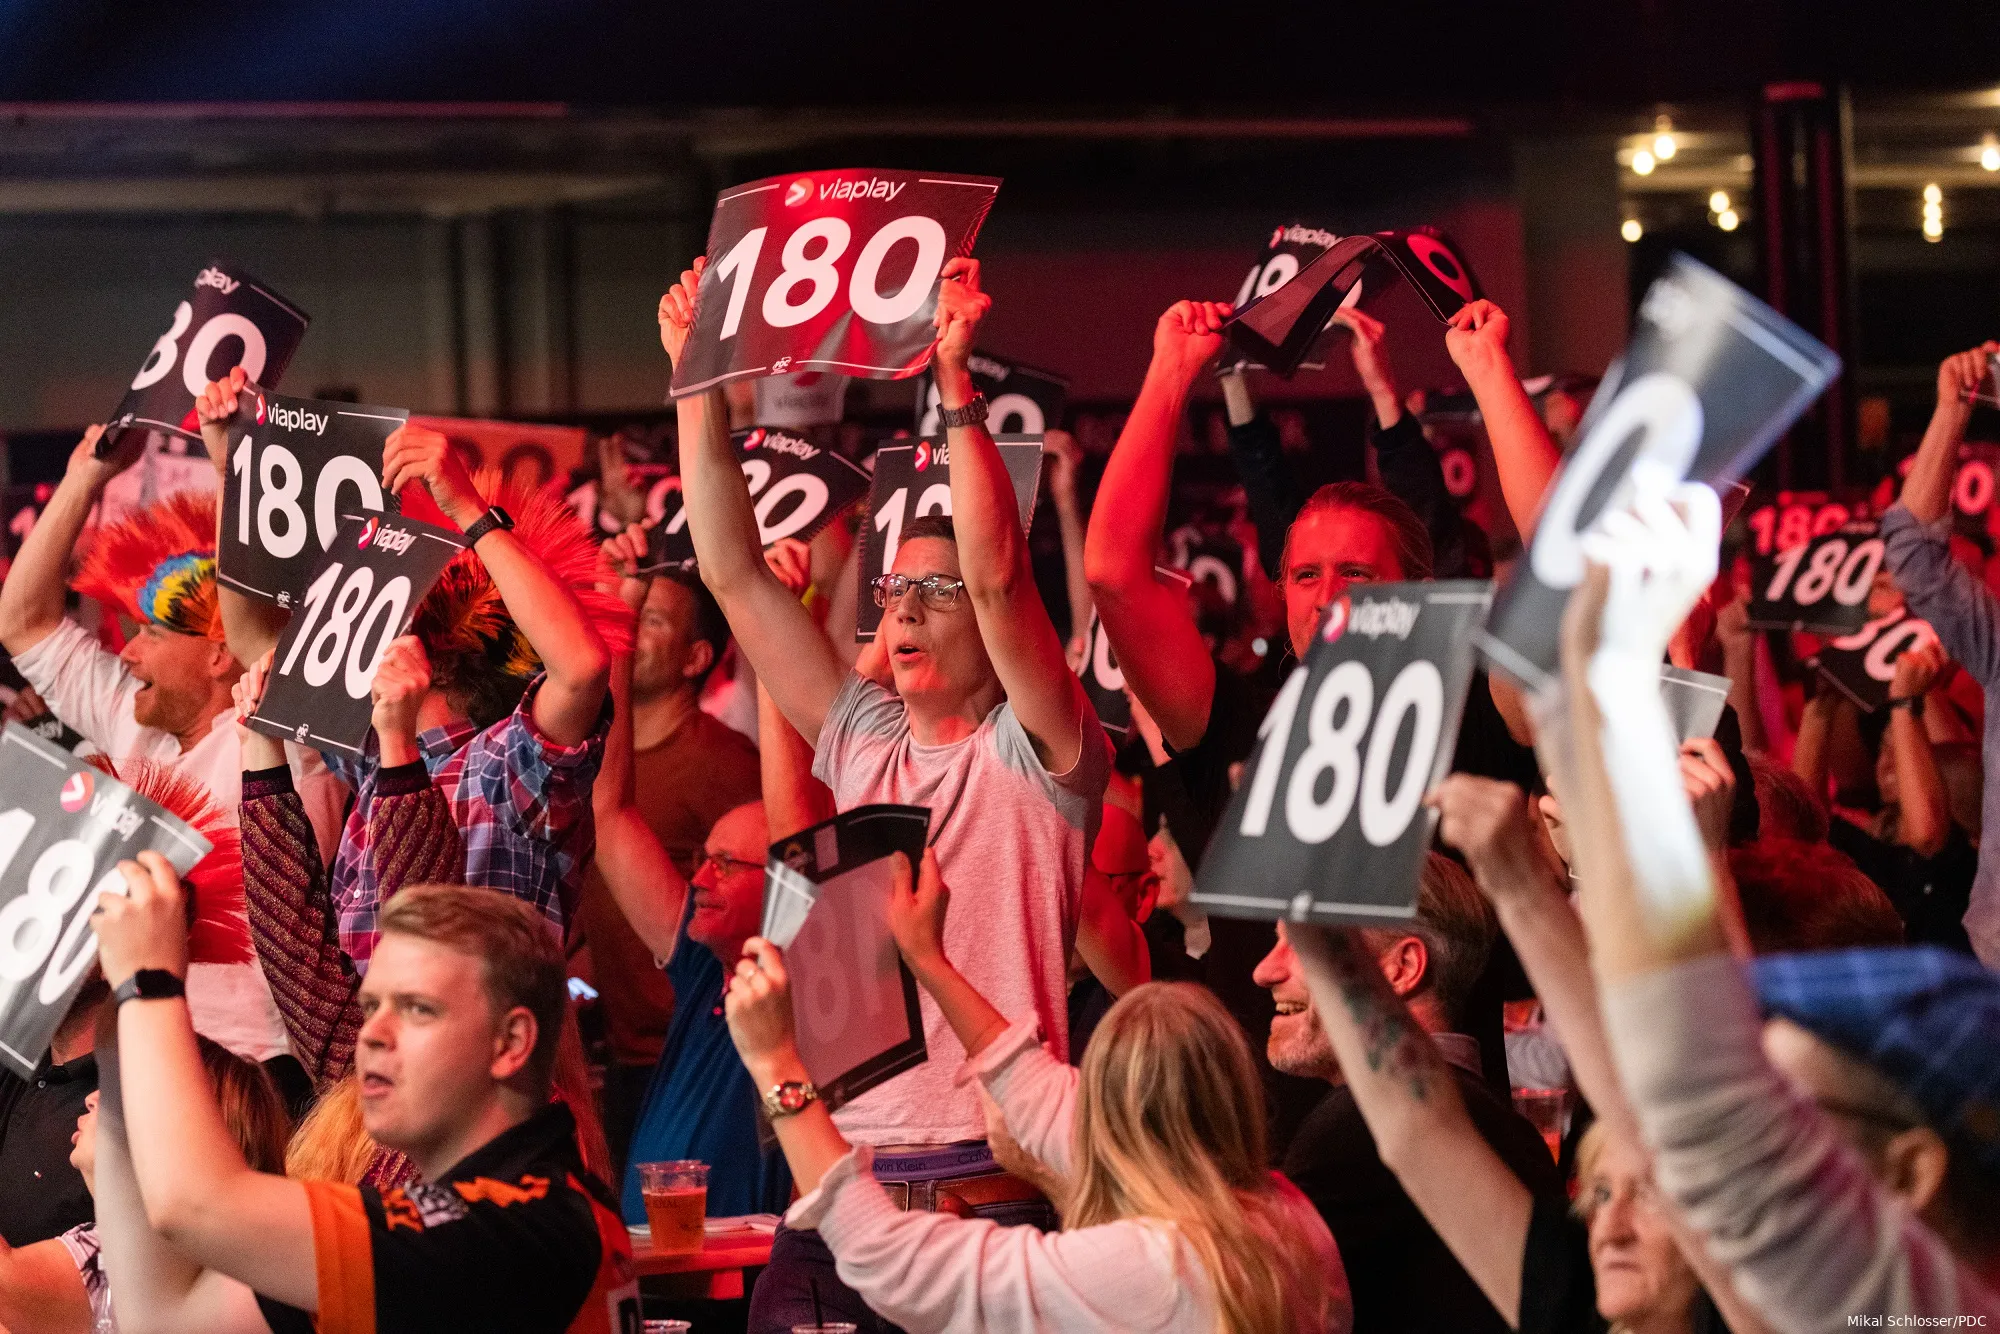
(986, 727)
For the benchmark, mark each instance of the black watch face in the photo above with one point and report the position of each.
(506, 519)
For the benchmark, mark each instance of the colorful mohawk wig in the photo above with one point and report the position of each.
(221, 929)
(474, 646)
(158, 566)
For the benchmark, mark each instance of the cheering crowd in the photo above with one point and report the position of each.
(333, 1077)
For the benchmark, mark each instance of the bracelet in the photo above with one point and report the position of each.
(972, 414)
(1914, 703)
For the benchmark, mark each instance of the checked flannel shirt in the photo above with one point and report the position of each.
(522, 804)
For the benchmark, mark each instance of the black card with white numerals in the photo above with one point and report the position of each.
(1329, 824)
(64, 827)
(364, 594)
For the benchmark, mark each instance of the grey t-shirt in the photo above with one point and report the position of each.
(1012, 842)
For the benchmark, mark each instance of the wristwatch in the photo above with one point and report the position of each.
(972, 414)
(486, 523)
(789, 1098)
(149, 984)
(1914, 703)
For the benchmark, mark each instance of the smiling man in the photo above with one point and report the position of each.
(1401, 1274)
(160, 698)
(504, 1231)
(701, 1104)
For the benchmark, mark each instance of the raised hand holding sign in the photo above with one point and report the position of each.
(1712, 376)
(295, 466)
(1820, 585)
(363, 596)
(831, 270)
(797, 487)
(230, 320)
(1328, 825)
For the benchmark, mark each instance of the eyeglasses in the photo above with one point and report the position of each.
(721, 864)
(938, 592)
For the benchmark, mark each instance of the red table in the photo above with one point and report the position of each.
(715, 1271)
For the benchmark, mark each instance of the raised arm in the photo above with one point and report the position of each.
(1923, 812)
(1927, 490)
(784, 646)
(578, 665)
(199, 1193)
(154, 1288)
(993, 555)
(1524, 455)
(643, 880)
(1413, 1108)
(1917, 541)
(1404, 459)
(793, 798)
(1504, 845)
(31, 598)
(1150, 625)
(1808, 1233)
(252, 628)
(1111, 944)
(1065, 456)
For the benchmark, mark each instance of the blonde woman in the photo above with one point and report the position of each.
(1172, 1220)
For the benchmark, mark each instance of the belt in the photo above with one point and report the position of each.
(948, 1178)
(961, 1195)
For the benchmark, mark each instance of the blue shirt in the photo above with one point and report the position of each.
(701, 1103)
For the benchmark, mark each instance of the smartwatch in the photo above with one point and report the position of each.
(1914, 703)
(789, 1098)
(972, 414)
(149, 984)
(486, 523)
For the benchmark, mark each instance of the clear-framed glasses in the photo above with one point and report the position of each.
(719, 864)
(938, 592)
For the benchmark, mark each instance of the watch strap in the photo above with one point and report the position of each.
(972, 414)
(149, 984)
(486, 523)
(803, 1096)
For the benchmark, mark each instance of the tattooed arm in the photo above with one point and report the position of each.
(1411, 1102)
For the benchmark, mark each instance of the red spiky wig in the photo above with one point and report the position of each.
(475, 649)
(221, 929)
(158, 566)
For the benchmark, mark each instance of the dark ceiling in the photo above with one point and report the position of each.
(1194, 59)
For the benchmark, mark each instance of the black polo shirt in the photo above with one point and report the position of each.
(517, 1239)
(41, 1195)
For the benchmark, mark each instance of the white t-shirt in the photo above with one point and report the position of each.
(87, 687)
(1012, 842)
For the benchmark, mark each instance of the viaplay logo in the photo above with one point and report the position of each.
(368, 531)
(798, 192)
(263, 410)
(1336, 620)
(76, 790)
(922, 457)
(754, 439)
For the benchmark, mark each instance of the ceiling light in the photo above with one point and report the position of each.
(1989, 155)
(1727, 220)
(1718, 202)
(1933, 229)
(1932, 194)
(1631, 230)
(1664, 146)
(1642, 163)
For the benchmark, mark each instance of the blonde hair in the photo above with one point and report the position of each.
(1170, 1125)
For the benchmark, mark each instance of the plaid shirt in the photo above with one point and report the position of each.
(522, 804)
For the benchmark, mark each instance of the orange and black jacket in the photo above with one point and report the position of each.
(517, 1238)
